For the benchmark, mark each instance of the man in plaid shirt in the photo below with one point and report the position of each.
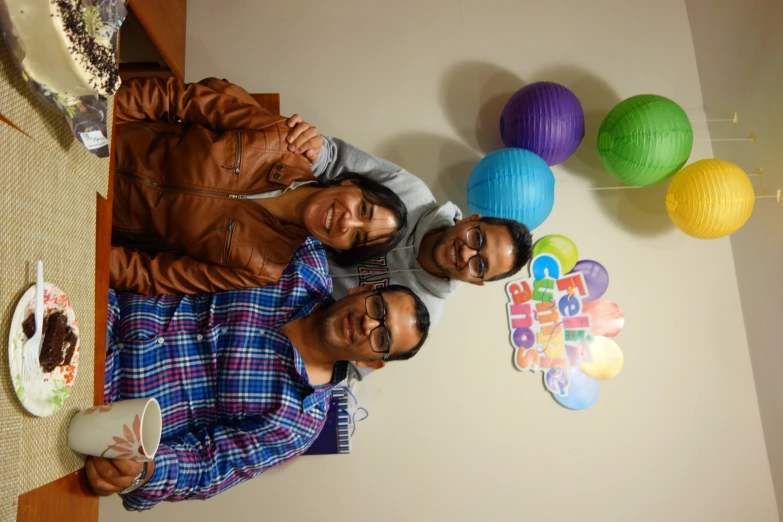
(244, 377)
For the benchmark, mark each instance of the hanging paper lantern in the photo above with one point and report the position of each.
(545, 118)
(710, 198)
(645, 140)
(513, 184)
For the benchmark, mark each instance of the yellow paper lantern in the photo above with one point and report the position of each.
(710, 198)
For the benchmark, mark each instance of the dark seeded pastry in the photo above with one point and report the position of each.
(59, 341)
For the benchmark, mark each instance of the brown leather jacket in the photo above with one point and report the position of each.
(186, 154)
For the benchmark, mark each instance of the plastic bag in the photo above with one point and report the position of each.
(86, 115)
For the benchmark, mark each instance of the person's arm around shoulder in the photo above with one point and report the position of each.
(331, 157)
(335, 157)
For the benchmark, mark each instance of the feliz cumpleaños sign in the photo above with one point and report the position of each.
(562, 326)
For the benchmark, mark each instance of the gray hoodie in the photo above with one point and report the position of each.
(424, 214)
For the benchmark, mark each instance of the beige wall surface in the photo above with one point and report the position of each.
(457, 434)
(739, 48)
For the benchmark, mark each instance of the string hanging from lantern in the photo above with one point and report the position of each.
(776, 196)
(621, 188)
(759, 171)
(752, 138)
(734, 121)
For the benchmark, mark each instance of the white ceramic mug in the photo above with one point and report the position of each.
(120, 430)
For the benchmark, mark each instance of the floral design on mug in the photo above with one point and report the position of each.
(103, 408)
(128, 446)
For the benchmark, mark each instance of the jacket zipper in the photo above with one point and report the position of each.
(184, 189)
(200, 191)
(229, 234)
(238, 159)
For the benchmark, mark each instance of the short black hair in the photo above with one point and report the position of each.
(521, 238)
(422, 320)
(377, 194)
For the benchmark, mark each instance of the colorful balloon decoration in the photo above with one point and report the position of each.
(596, 278)
(710, 199)
(559, 246)
(545, 118)
(560, 326)
(605, 316)
(645, 140)
(582, 391)
(514, 184)
(607, 359)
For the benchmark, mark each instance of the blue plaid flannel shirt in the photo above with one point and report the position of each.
(233, 390)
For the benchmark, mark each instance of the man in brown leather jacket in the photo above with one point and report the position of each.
(191, 163)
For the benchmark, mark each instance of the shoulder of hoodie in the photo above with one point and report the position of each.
(382, 171)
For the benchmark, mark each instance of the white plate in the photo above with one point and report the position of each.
(47, 394)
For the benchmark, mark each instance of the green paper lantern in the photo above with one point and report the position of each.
(645, 140)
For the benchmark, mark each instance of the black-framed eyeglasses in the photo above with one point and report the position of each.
(475, 240)
(380, 340)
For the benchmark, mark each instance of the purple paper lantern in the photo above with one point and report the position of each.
(545, 118)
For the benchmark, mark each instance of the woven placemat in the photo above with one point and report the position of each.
(47, 211)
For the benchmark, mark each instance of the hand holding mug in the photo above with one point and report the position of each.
(118, 439)
(109, 476)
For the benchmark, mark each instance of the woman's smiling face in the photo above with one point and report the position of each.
(342, 217)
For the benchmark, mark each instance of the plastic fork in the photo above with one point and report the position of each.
(32, 347)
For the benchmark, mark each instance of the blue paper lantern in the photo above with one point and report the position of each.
(514, 184)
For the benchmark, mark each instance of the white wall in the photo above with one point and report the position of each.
(738, 49)
(457, 434)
